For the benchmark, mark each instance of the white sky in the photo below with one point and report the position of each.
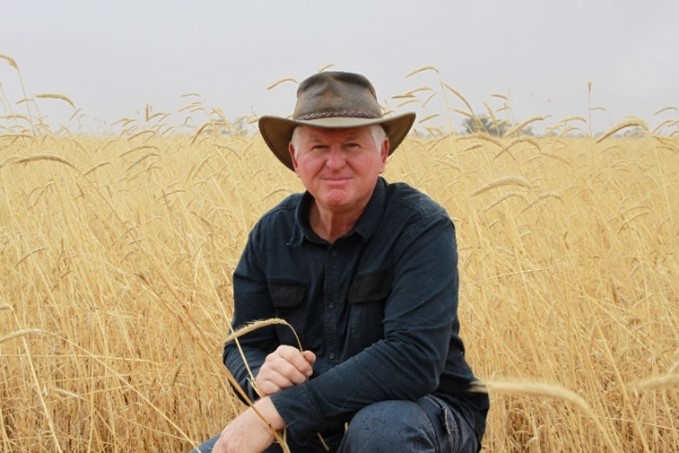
(113, 57)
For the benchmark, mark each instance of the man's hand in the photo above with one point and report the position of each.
(283, 368)
(248, 433)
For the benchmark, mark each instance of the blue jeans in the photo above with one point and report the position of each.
(426, 425)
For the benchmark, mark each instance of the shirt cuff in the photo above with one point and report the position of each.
(298, 408)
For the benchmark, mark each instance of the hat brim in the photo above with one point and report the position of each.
(277, 131)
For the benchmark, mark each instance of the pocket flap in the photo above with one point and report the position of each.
(371, 287)
(286, 294)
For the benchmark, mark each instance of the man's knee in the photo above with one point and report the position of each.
(390, 426)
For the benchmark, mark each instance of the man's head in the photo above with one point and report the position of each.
(333, 100)
(339, 166)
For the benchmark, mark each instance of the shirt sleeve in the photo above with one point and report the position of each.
(419, 318)
(252, 302)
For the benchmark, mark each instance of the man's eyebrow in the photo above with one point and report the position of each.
(352, 137)
(315, 138)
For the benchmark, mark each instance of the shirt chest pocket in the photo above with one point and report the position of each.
(371, 287)
(366, 298)
(286, 294)
(287, 299)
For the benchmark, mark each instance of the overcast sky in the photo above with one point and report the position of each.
(113, 57)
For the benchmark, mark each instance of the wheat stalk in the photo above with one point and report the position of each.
(280, 82)
(326, 67)
(48, 157)
(258, 325)
(523, 124)
(10, 61)
(462, 98)
(670, 380)
(428, 118)
(516, 141)
(635, 122)
(422, 69)
(550, 391)
(57, 96)
(667, 109)
(507, 181)
(19, 333)
(143, 132)
(505, 197)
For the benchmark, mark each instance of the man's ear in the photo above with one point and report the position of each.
(293, 157)
(384, 153)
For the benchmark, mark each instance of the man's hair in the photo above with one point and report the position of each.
(376, 130)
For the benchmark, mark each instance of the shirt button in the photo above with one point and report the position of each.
(331, 305)
(333, 253)
(332, 356)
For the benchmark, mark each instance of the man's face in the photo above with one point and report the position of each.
(339, 167)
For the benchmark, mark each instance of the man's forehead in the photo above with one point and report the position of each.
(318, 133)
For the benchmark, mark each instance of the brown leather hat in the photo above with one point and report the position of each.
(333, 100)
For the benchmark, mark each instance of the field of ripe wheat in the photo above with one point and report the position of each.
(117, 253)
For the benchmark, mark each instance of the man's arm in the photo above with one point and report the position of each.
(252, 431)
(251, 303)
(419, 316)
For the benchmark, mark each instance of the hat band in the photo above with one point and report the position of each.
(342, 114)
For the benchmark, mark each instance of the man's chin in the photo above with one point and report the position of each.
(336, 199)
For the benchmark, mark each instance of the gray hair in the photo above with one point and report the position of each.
(376, 130)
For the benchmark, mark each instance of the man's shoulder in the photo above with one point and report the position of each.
(284, 211)
(287, 205)
(402, 198)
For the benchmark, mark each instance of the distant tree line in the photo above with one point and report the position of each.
(490, 126)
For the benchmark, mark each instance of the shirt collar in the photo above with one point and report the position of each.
(372, 215)
(302, 227)
(366, 226)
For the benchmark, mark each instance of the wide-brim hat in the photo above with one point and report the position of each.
(334, 100)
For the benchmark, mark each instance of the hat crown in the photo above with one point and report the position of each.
(336, 94)
(333, 100)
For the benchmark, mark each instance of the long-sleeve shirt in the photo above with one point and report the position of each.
(378, 307)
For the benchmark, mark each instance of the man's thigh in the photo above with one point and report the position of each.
(314, 445)
(426, 425)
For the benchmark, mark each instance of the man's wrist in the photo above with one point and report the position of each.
(266, 408)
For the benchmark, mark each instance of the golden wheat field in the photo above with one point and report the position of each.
(117, 252)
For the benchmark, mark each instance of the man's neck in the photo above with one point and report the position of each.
(329, 224)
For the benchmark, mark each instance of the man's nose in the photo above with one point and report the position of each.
(336, 157)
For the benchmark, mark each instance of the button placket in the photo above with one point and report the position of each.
(332, 287)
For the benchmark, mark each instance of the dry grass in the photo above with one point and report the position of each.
(116, 291)
(117, 254)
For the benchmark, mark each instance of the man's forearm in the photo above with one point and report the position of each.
(251, 431)
(268, 411)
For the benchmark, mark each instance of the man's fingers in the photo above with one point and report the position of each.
(292, 373)
(285, 375)
(298, 359)
(310, 357)
(283, 368)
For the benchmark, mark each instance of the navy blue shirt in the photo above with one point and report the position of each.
(378, 307)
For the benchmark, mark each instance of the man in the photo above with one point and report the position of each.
(366, 274)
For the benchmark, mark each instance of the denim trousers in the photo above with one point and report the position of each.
(426, 425)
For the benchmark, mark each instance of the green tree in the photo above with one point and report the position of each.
(486, 125)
